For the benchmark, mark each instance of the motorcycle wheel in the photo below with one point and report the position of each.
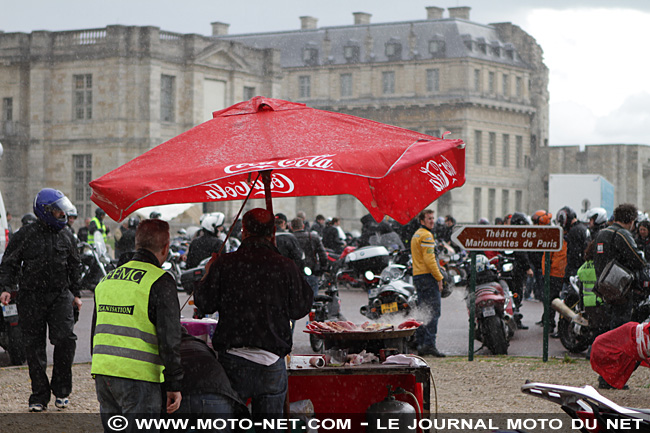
(494, 335)
(571, 341)
(15, 348)
(316, 343)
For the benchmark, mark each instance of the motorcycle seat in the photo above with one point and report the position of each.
(322, 298)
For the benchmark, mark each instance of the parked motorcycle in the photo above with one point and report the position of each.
(175, 265)
(493, 307)
(578, 325)
(10, 333)
(590, 411)
(96, 262)
(351, 267)
(326, 308)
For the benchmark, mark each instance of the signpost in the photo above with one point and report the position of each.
(475, 238)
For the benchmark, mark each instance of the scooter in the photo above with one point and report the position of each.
(395, 294)
(590, 411)
(11, 338)
(493, 307)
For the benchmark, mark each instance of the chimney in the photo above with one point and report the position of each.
(461, 12)
(308, 23)
(361, 18)
(219, 29)
(434, 13)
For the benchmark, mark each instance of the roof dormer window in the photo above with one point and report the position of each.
(467, 40)
(394, 50)
(482, 45)
(310, 56)
(509, 51)
(351, 53)
(495, 49)
(437, 46)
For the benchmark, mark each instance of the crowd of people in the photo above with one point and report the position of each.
(143, 360)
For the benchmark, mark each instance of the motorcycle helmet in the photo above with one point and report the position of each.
(542, 218)
(154, 215)
(519, 219)
(484, 221)
(99, 212)
(211, 222)
(72, 213)
(597, 214)
(28, 218)
(48, 201)
(133, 222)
(565, 216)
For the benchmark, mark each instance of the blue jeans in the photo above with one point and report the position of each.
(127, 397)
(214, 405)
(429, 302)
(265, 386)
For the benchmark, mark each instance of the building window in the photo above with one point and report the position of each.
(167, 98)
(519, 151)
(7, 109)
(506, 150)
(388, 82)
(304, 86)
(518, 86)
(477, 80)
(477, 204)
(83, 96)
(82, 175)
(394, 50)
(492, 198)
(491, 82)
(505, 202)
(493, 148)
(351, 53)
(346, 85)
(519, 199)
(310, 56)
(433, 80)
(437, 47)
(505, 83)
(249, 92)
(478, 147)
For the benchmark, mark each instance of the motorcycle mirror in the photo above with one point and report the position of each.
(307, 270)
(369, 275)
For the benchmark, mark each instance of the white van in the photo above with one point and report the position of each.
(4, 227)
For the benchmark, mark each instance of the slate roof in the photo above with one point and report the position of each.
(458, 35)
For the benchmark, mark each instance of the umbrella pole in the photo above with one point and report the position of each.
(266, 179)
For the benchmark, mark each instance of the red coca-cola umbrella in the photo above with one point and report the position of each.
(302, 151)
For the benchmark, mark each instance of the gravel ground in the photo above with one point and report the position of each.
(485, 385)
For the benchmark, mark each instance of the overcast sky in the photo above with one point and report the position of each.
(596, 50)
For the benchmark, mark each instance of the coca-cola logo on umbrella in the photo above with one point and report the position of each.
(320, 162)
(280, 184)
(441, 173)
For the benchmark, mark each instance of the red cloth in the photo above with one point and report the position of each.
(615, 354)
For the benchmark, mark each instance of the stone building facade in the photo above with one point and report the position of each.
(84, 102)
(78, 104)
(626, 166)
(486, 84)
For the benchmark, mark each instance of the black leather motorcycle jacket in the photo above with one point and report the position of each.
(38, 258)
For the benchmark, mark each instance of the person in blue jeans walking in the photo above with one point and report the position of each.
(257, 292)
(427, 279)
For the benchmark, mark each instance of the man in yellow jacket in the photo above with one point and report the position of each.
(427, 279)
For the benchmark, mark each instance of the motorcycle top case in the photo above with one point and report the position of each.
(373, 258)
